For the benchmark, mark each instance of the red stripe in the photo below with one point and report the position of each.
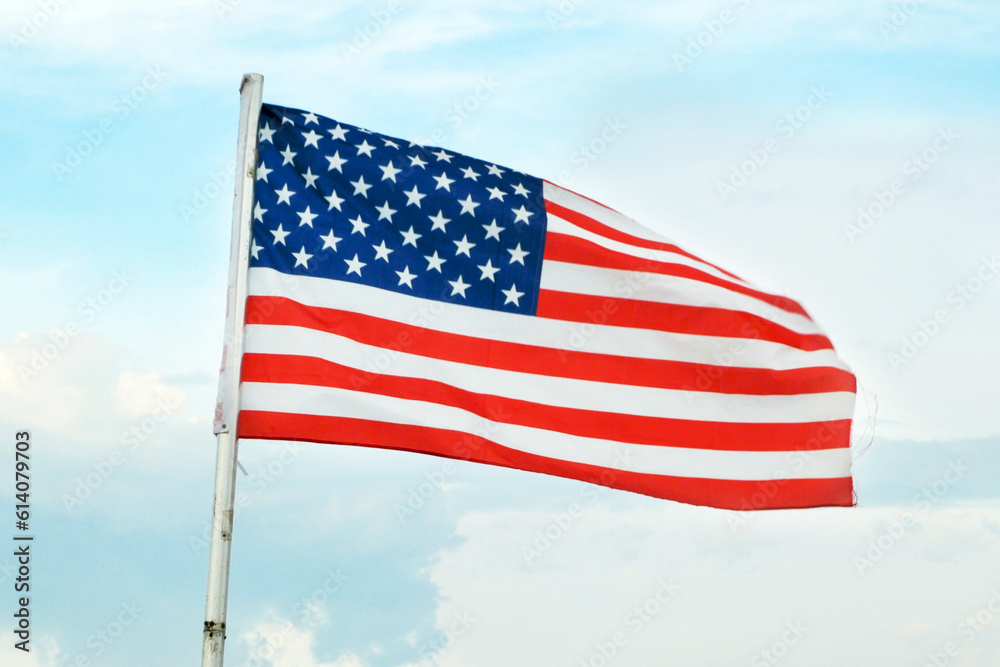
(726, 494)
(538, 360)
(697, 320)
(574, 250)
(594, 226)
(294, 369)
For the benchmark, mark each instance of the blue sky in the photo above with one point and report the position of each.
(889, 108)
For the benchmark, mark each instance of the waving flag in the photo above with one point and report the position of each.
(413, 298)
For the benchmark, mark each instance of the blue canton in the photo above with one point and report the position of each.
(337, 201)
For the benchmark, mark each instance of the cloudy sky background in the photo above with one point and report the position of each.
(118, 132)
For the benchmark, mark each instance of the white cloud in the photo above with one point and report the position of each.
(277, 642)
(737, 592)
(43, 651)
(71, 384)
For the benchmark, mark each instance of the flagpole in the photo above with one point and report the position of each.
(225, 462)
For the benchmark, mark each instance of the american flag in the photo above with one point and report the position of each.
(412, 298)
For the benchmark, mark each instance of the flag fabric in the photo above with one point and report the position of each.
(413, 298)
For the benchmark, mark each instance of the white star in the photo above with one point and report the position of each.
(306, 217)
(286, 119)
(336, 162)
(434, 262)
(468, 206)
(366, 148)
(312, 138)
(288, 154)
(468, 172)
(334, 200)
(488, 270)
(458, 286)
(512, 295)
(284, 194)
(254, 248)
(520, 190)
(464, 246)
(382, 252)
(415, 161)
(310, 118)
(384, 212)
(302, 257)
(406, 277)
(493, 230)
(390, 142)
(518, 255)
(413, 196)
(360, 187)
(354, 265)
(494, 170)
(410, 237)
(279, 235)
(359, 225)
(443, 182)
(310, 178)
(258, 212)
(521, 214)
(496, 193)
(441, 155)
(331, 241)
(266, 133)
(439, 221)
(263, 171)
(338, 133)
(389, 172)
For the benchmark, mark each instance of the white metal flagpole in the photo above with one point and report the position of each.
(225, 464)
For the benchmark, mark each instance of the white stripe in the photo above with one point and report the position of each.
(555, 334)
(567, 277)
(647, 459)
(548, 390)
(616, 220)
(560, 226)
(601, 213)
